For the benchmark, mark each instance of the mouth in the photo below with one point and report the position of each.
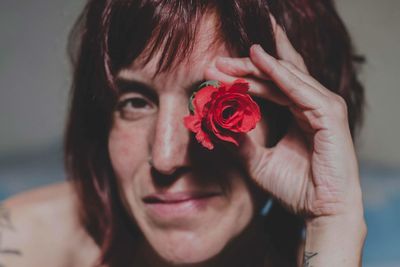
(178, 197)
(180, 205)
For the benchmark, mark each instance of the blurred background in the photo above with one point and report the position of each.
(34, 86)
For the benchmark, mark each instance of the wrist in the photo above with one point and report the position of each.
(335, 221)
(335, 241)
(352, 219)
(352, 228)
(349, 211)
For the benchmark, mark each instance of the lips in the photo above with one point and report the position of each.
(177, 197)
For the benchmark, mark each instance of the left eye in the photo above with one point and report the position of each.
(134, 102)
(134, 108)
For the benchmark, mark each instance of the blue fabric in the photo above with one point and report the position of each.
(381, 192)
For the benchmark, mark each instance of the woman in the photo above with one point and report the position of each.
(144, 192)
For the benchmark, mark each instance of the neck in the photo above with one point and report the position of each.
(247, 249)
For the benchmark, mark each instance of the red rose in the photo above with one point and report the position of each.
(222, 112)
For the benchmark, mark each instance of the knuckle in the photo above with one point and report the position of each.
(274, 69)
(230, 69)
(287, 64)
(338, 107)
(299, 62)
(298, 59)
(340, 103)
(248, 65)
(299, 84)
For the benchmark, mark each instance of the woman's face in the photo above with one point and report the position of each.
(148, 123)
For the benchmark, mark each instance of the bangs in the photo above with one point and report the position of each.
(143, 28)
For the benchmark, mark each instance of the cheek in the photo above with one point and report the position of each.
(128, 147)
(242, 201)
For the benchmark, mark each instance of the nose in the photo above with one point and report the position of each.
(169, 148)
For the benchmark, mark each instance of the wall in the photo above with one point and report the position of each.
(375, 27)
(34, 72)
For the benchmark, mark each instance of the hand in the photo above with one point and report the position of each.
(313, 169)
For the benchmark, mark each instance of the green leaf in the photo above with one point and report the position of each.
(204, 84)
(191, 107)
(208, 83)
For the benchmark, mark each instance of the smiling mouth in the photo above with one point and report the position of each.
(171, 198)
(179, 207)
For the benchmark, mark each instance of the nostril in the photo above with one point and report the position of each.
(151, 163)
(162, 178)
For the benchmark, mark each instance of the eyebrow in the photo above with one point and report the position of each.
(132, 85)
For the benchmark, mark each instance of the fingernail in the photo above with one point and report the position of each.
(262, 53)
(258, 48)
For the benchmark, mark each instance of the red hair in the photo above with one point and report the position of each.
(109, 35)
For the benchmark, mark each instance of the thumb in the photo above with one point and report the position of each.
(254, 157)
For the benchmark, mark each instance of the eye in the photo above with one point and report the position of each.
(135, 107)
(134, 103)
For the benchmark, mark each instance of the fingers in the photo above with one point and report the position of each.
(305, 77)
(285, 49)
(258, 87)
(239, 67)
(253, 156)
(301, 93)
(291, 59)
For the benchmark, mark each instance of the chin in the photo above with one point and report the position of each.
(188, 248)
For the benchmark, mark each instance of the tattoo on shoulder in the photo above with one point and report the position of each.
(307, 258)
(5, 219)
(6, 225)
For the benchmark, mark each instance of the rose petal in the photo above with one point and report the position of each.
(228, 137)
(232, 120)
(232, 100)
(203, 97)
(239, 86)
(192, 122)
(224, 135)
(210, 104)
(204, 139)
(250, 117)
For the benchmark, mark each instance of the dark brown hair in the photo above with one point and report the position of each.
(111, 34)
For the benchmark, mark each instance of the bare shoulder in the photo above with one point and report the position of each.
(41, 228)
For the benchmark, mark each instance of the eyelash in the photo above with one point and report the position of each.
(133, 100)
(135, 107)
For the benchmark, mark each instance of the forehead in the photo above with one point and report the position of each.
(207, 47)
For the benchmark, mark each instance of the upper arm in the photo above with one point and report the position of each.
(12, 245)
(30, 233)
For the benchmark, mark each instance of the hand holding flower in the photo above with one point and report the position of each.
(313, 169)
